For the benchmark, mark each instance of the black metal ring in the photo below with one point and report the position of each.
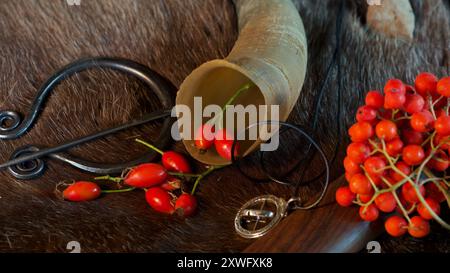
(160, 86)
(308, 137)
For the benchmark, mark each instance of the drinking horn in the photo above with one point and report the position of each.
(270, 53)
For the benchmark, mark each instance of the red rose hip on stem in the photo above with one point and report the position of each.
(176, 162)
(186, 205)
(223, 143)
(171, 160)
(82, 191)
(204, 138)
(146, 176)
(171, 184)
(160, 200)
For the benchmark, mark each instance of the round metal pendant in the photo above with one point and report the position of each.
(259, 215)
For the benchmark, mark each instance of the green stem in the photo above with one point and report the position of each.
(203, 175)
(415, 183)
(110, 178)
(118, 191)
(430, 101)
(229, 102)
(183, 174)
(150, 146)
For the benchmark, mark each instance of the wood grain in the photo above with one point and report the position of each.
(327, 229)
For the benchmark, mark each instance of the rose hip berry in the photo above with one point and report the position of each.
(204, 138)
(160, 200)
(82, 191)
(186, 205)
(224, 143)
(146, 176)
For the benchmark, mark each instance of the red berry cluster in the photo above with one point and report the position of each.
(399, 155)
(160, 181)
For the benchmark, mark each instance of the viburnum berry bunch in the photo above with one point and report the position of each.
(398, 159)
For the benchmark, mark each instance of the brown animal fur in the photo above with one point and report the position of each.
(172, 37)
